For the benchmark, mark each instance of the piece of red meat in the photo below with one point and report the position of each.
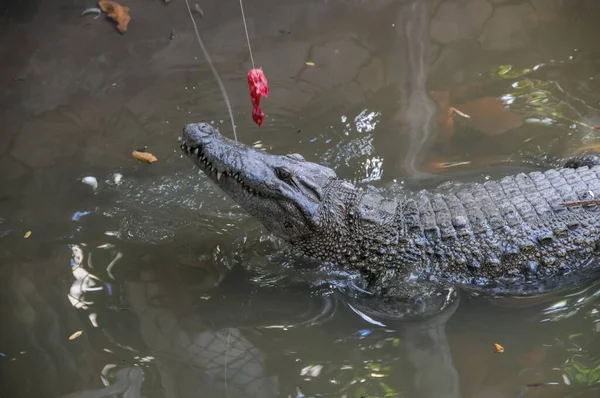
(258, 115)
(259, 87)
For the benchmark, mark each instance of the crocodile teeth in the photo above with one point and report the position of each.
(179, 139)
(219, 176)
(197, 151)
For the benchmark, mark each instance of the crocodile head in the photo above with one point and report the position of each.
(284, 192)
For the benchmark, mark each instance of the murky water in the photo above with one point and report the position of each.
(157, 285)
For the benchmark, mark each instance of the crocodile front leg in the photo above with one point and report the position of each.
(576, 162)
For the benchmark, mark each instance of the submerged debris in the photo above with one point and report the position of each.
(452, 109)
(198, 10)
(92, 10)
(546, 383)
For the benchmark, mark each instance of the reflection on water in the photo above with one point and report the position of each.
(157, 285)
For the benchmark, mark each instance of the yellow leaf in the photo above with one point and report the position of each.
(75, 335)
(309, 63)
(498, 348)
(27, 234)
(144, 156)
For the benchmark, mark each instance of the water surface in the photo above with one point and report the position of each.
(157, 285)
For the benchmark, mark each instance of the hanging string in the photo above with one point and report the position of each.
(214, 70)
(247, 36)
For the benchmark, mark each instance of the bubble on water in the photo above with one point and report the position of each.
(366, 122)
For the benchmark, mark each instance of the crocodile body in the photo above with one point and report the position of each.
(515, 231)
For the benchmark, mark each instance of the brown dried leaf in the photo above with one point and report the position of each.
(498, 348)
(116, 12)
(144, 156)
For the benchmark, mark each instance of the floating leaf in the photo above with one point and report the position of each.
(309, 63)
(75, 335)
(498, 348)
(117, 12)
(146, 157)
(594, 376)
(27, 234)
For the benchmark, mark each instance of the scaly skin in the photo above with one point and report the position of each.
(507, 235)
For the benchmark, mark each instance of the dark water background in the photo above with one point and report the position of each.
(176, 291)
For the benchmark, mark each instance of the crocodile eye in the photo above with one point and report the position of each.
(296, 156)
(283, 174)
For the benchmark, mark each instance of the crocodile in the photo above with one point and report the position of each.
(510, 233)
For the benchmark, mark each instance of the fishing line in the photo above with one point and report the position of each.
(226, 360)
(247, 36)
(213, 69)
